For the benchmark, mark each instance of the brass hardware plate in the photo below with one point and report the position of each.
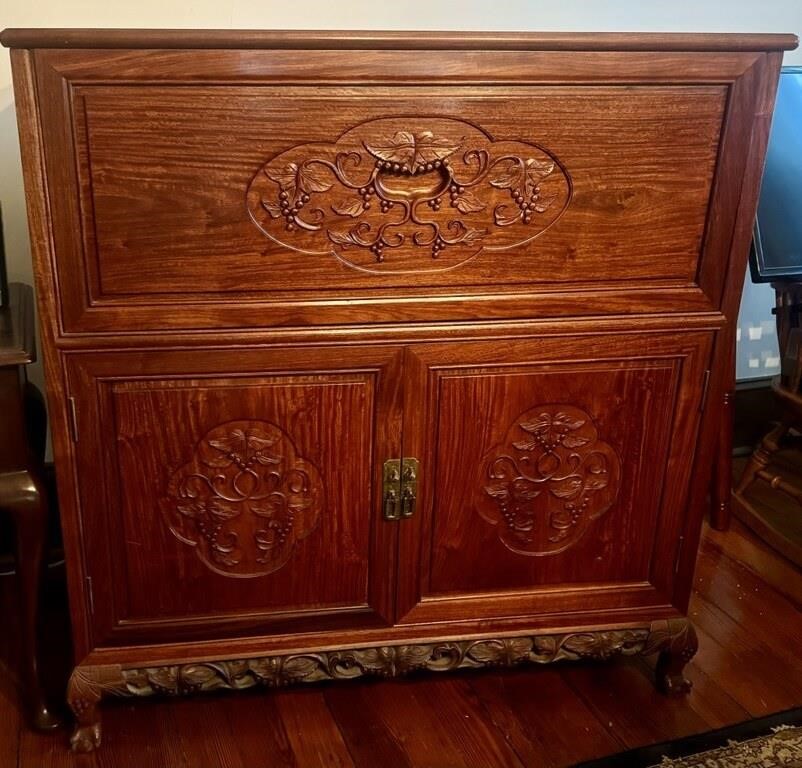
(391, 489)
(409, 486)
(399, 488)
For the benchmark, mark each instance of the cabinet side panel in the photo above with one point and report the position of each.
(48, 303)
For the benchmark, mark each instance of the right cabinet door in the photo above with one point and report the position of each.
(553, 473)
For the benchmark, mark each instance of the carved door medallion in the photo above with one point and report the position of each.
(548, 480)
(406, 194)
(245, 499)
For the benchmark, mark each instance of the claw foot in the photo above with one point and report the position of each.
(85, 738)
(676, 643)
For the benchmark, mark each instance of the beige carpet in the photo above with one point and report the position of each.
(780, 749)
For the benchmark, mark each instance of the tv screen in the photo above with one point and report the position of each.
(777, 251)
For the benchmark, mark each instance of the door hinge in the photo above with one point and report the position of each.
(679, 554)
(705, 386)
(399, 488)
(73, 419)
(90, 594)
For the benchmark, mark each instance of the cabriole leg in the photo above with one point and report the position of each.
(676, 643)
(85, 690)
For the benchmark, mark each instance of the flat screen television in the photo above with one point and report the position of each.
(777, 244)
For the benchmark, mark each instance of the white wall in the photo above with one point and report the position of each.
(554, 15)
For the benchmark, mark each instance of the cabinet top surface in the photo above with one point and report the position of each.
(368, 39)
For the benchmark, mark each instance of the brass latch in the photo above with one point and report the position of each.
(399, 488)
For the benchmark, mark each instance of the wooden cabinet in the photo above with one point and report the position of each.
(377, 352)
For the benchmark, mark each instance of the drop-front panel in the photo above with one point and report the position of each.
(376, 352)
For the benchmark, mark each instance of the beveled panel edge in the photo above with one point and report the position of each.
(397, 333)
(156, 653)
(397, 40)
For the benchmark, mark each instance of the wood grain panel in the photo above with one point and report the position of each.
(168, 169)
(231, 489)
(164, 187)
(568, 473)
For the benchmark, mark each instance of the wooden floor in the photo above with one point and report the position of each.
(746, 608)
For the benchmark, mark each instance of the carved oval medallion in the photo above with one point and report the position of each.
(407, 194)
(245, 499)
(548, 480)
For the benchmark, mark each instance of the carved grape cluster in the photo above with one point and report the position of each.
(434, 204)
(366, 193)
(526, 205)
(392, 167)
(454, 191)
(290, 209)
(437, 246)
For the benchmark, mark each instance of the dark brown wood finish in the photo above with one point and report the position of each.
(22, 491)
(514, 258)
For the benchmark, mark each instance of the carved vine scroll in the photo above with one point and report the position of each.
(408, 195)
(550, 477)
(673, 639)
(245, 499)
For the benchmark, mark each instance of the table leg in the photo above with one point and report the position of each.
(25, 499)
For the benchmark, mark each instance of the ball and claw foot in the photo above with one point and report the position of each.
(85, 738)
(675, 642)
(670, 679)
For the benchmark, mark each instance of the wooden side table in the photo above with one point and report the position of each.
(22, 491)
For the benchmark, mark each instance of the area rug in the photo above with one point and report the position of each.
(769, 742)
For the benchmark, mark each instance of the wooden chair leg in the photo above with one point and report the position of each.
(761, 456)
(721, 487)
(25, 500)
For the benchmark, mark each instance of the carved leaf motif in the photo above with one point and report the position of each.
(574, 441)
(343, 238)
(536, 170)
(544, 203)
(296, 180)
(565, 489)
(413, 149)
(242, 447)
(467, 202)
(507, 651)
(352, 207)
(472, 235)
(521, 176)
(273, 209)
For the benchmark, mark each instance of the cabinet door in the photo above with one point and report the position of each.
(235, 491)
(553, 473)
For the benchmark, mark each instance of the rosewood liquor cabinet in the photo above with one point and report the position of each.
(377, 352)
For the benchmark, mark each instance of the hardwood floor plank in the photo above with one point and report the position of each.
(750, 602)
(9, 719)
(311, 729)
(543, 718)
(740, 544)
(708, 698)
(440, 722)
(369, 740)
(259, 732)
(753, 674)
(628, 704)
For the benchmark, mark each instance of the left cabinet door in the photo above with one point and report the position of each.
(228, 492)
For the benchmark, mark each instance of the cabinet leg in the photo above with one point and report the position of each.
(84, 692)
(675, 642)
